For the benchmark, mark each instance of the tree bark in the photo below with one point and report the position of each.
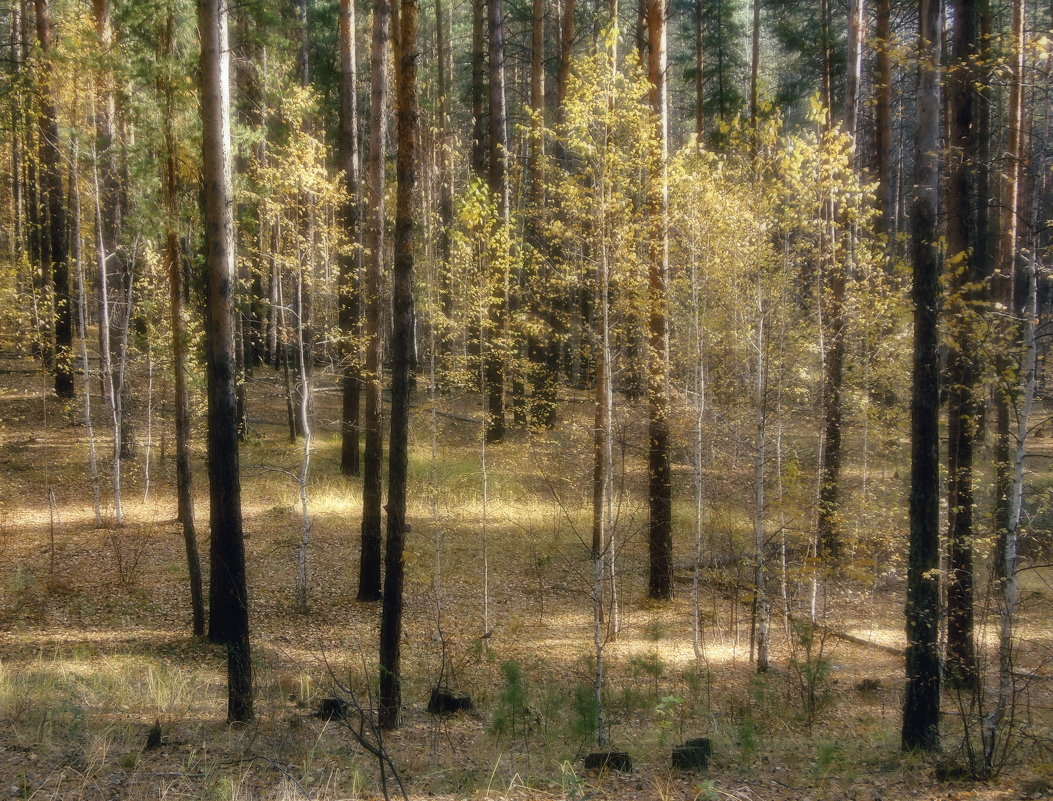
(829, 529)
(659, 474)
(498, 181)
(1009, 461)
(369, 575)
(51, 184)
(886, 194)
(403, 357)
(921, 703)
(181, 401)
(229, 623)
(1004, 285)
(350, 263)
(965, 398)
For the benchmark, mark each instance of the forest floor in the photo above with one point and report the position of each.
(95, 644)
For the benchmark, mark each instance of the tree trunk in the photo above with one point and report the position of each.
(51, 183)
(369, 568)
(229, 623)
(1009, 470)
(498, 181)
(350, 264)
(113, 219)
(829, 530)
(921, 703)
(660, 533)
(996, 738)
(403, 356)
(181, 401)
(886, 194)
(85, 365)
(105, 351)
(965, 398)
(1004, 285)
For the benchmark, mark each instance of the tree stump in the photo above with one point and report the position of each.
(333, 708)
(609, 760)
(444, 701)
(693, 754)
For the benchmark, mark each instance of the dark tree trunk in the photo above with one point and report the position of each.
(181, 403)
(659, 473)
(965, 398)
(369, 574)
(51, 186)
(229, 620)
(921, 702)
(402, 363)
(498, 180)
(829, 532)
(350, 264)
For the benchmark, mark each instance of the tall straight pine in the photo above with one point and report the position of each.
(659, 472)
(402, 362)
(229, 621)
(921, 701)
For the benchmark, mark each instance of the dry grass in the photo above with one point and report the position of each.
(94, 643)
